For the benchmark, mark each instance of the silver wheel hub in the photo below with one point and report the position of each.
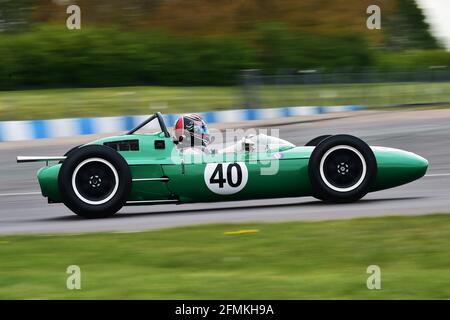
(95, 181)
(342, 168)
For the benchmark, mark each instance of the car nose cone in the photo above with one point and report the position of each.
(397, 167)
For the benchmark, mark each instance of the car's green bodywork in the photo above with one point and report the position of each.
(185, 174)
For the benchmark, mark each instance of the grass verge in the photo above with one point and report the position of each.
(92, 102)
(282, 261)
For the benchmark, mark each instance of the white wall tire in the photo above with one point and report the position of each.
(330, 184)
(342, 168)
(109, 196)
(78, 190)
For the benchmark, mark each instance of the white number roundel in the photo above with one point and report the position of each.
(226, 178)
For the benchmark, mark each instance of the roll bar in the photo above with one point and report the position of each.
(162, 124)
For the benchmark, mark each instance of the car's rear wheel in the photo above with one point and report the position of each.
(341, 169)
(72, 150)
(314, 142)
(94, 181)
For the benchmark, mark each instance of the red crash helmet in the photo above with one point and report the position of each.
(193, 128)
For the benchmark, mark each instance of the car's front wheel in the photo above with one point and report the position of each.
(341, 169)
(94, 181)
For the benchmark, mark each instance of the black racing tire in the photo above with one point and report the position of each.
(72, 150)
(94, 181)
(314, 142)
(342, 169)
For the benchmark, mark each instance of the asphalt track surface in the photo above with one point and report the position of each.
(425, 132)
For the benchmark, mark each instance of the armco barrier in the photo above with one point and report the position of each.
(56, 128)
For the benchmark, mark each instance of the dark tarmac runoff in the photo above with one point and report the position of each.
(425, 132)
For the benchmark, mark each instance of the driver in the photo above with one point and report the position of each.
(191, 131)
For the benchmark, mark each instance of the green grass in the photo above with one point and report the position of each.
(282, 261)
(59, 103)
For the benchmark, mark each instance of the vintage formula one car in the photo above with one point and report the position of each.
(96, 179)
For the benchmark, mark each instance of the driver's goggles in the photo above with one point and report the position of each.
(201, 129)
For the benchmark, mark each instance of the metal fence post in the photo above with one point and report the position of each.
(251, 80)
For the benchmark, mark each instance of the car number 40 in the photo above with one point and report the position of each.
(226, 178)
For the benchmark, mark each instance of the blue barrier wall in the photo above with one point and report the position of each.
(56, 128)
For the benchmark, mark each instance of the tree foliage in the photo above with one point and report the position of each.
(406, 28)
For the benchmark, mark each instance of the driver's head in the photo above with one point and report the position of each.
(191, 130)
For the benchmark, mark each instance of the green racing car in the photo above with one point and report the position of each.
(97, 179)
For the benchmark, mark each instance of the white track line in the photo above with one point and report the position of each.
(437, 175)
(19, 194)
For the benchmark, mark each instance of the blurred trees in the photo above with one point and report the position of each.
(279, 47)
(403, 23)
(106, 57)
(124, 14)
(201, 42)
(55, 57)
(15, 15)
(406, 28)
